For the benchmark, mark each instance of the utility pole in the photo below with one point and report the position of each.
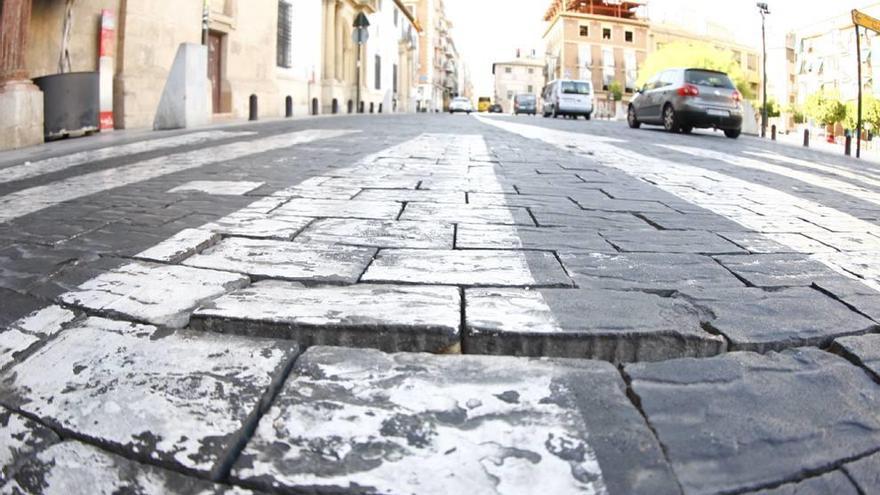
(762, 7)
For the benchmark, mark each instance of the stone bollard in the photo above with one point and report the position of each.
(806, 138)
(252, 115)
(288, 107)
(773, 132)
(847, 148)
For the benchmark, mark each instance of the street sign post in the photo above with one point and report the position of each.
(867, 22)
(360, 37)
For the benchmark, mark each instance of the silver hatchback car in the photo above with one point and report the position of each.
(681, 99)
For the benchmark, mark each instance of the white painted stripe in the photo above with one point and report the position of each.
(59, 163)
(34, 199)
(832, 169)
(805, 177)
(715, 192)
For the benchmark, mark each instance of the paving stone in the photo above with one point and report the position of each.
(756, 243)
(433, 212)
(18, 336)
(523, 201)
(853, 293)
(152, 293)
(744, 421)
(756, 320)
(182, 245)
(24, 265)
(597, 221)
(318, 192)
(359, 421)
(471, 236)
(15, 305)
(20, 438)
(865, 473)
(329, 208)
(483, 185)
(179, 398)
(835, 482)
(281, 227)
(459, 267)
(391, 318)
(218, 187)
(864, 349)
(608, 325)
(646, 271)
(72, 468)
(779, 270)
(604, 203)
(286, 260)
(671, 241)
(694, 221)
(411, 195)
(380, 233)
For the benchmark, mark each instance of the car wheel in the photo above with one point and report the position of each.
(555, 113)
(588, 116)
(670, 120)
(732, 133)
(686, 129)
(631, 118)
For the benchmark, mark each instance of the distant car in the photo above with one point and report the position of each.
(496, 108)
(525, 103)
(569, 98)
(461, 104)
(681, 99)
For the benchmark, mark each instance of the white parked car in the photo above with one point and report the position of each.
(569, 98)
(461, 104)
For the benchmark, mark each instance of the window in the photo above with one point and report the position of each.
(531, 70)
(585, 31)
(508, 70)
(284, 41)
(378, 72)
(394, 75)
(510, 95)
(752, 62)
(628, 36)
(606, 33)
(531, 89)
(607, 67)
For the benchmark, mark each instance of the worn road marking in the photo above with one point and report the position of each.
(26, 201)
(864, 176)
(218, 187)
(59, 163)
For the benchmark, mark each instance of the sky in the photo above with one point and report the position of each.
(487, 31)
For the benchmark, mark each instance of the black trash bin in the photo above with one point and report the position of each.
(70, 103)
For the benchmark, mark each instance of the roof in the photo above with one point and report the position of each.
(624, 9)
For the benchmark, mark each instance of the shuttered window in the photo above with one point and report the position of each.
(285, 34)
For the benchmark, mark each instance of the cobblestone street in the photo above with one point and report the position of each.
(438, 304)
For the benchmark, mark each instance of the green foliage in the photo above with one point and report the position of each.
(797, 113)
(825, 107)
(870, 114)
(773, 109)
(616, 90)
(695, 55)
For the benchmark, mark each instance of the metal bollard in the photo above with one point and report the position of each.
(847, 149)
(288, 107)
(807, 138)
(253, 108)
(773, 132)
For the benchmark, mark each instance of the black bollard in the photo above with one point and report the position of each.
(288, 107)
(847, 148)
(773, 132)
(806, 138)
(253, 108)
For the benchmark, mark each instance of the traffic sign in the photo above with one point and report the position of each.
(866, 21)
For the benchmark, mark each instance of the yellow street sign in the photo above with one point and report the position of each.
(866, 21)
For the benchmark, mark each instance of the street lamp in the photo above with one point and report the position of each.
(765, 11)
(360, 36)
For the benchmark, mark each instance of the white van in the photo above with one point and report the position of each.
(568, 97)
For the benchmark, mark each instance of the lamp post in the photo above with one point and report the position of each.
(765, 11)
(360, 36)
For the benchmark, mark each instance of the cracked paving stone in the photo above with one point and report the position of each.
(257, 225)
(23, 266)
(671, 241)
(179, 398)
(834, 482)
(757, 320)
(864, 349)
(20, 335)
(286, 260)
(779, 270)
(72, 468)
(380, 233)
(180, 246)
(435, 212)
(582, 323)
(360, 421)
(646, 271)
(20, 438)
(471, 268)
(744, 421)
(329, 208)
(355, 316)
(471, 236)
(865, 473)
(147, 292)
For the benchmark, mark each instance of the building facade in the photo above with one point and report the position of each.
(603, 41)
(438, 70)
(522, 75)
(296, 51)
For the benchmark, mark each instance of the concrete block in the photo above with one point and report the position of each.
(183, 102)
(21, 105)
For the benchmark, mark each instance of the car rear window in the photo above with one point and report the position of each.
(708, 78)
(526, 98)
(575, 88)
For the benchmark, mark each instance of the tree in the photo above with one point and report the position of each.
(796, 112)
(773, 109)
(616, 90)
(870, 114)
(696, 55)
(825, 107)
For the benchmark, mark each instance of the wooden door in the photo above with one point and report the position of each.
(214, 65)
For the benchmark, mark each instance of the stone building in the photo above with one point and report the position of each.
(273, 49)
(602, 41)
(518, 76)
(438, 70)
